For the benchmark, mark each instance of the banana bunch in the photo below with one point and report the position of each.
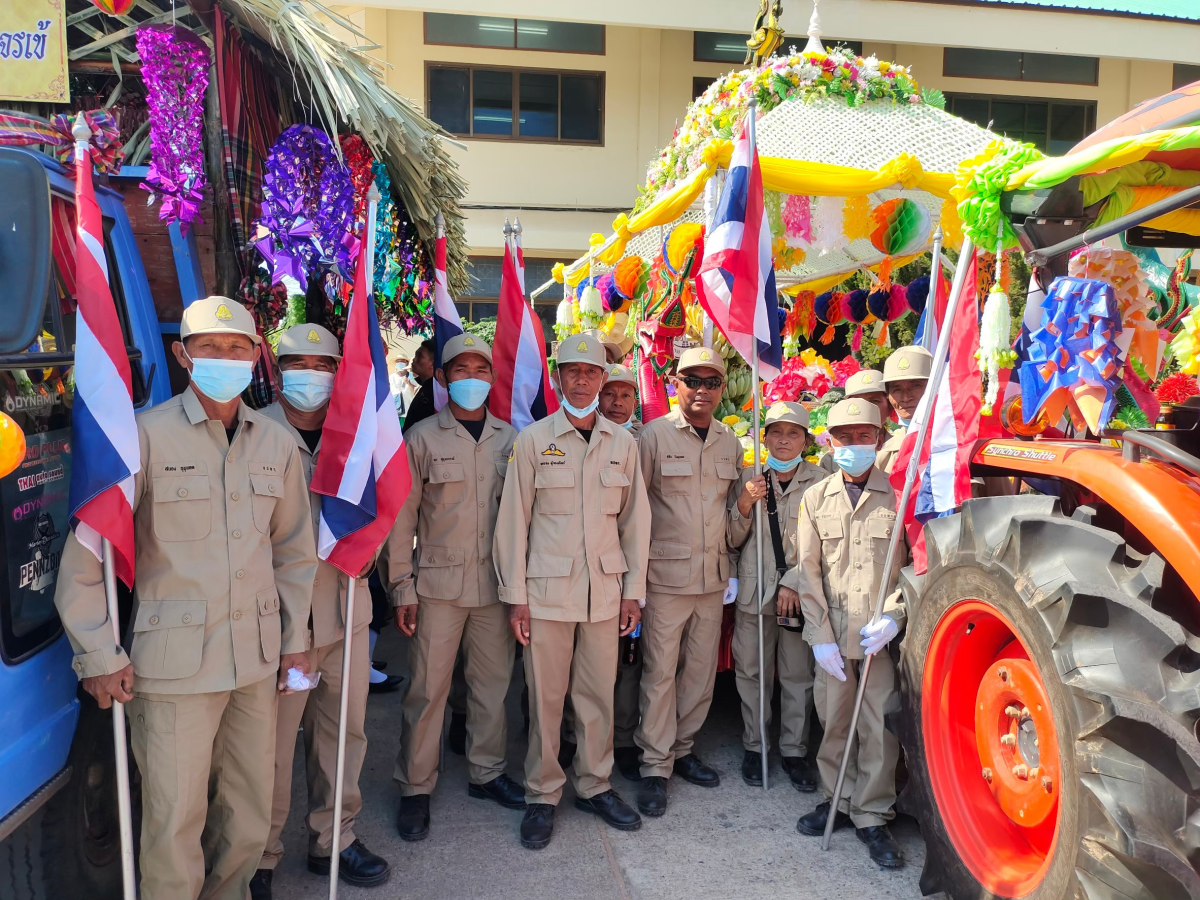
(738, 386)
(723, 346)
(695, 321)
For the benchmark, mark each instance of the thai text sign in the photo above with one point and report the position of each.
(33, 51)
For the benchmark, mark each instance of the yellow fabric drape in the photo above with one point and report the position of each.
(613, 254)
(820, 285)
(1125, 200)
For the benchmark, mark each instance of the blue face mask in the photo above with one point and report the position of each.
(628, 426)
(469, 393)
(904, 423)
(307, 389)
(582, 413)
(855, 458)
(780, 465)
(221, 379)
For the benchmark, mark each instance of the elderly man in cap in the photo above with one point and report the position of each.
(845, 526)
(444, 594)
(618, 399)
(691, 463)
(779, 488)
(570, 552)
(866, 384)
(308, 358)
(225, 566)
(905, 374)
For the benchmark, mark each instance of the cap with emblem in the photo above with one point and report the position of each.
(465, 343)
(611, 347)
(853, 412)
(217, 315)
(783, 411)
(868, 381)
(308, 340)
(701, 358)
(581, 348)
(908, 364)
(619, 373)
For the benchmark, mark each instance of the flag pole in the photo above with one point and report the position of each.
(910, 475)
(935, 272)
(124, 805)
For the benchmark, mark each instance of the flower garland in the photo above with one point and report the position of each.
(982, 179)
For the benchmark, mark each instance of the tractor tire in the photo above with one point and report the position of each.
(1050, 704)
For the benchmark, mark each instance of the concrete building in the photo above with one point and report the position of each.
(561, 106)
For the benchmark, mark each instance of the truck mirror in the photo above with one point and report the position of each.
(24, 248)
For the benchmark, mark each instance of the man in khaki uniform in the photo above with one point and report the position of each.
(570, 554)
(845, 526)
(691, 463)
(308, 357)
(445, 592)
(225, 565)
(618, 399)
(905, 374)
(868, 384)
(787, 476)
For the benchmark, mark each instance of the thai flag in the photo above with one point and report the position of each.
(105, 454)
(520, 259)
(944, 473)
(446, 321)
(521, 394)
(736, 284)
(362, 472)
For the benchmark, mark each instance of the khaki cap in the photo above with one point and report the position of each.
(853, 412)
(465, 343)
(908, 364)
(784, 411)
(610, 346)
(868, 381)
(618, 372)
(583, 348)
(308, 340)
(217, 315)
(701, 358)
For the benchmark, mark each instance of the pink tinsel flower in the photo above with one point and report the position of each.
(843, 369)
(913, 98)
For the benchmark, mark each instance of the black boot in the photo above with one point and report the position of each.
(801, 773)
(566, 754)
(813, 823)
(652, 796)
(260, 884)
(612, 809)
(457, 737)
(356, 865)
(752, 768)
(629, 761)
(690, 769)
(502, 789)
(413, 821)
(881, 845)
(538, 826)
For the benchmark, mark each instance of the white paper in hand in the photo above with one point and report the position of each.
(298, 681)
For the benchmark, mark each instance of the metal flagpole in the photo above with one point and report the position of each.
(910, 474)
(124, 806)
(935, 272)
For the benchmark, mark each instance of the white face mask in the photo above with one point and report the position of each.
(307, 389)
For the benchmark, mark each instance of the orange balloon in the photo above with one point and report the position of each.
(12, 444)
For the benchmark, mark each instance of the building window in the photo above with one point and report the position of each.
(716, 46)
(1184, 74)
(513, 34)
(485, 290)
(1053, 126)
(524, 105)
(1005, 65)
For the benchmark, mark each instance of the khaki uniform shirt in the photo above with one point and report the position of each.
(841, 554)
(690, 484)
(572, 533)
(741, 538)
(451, 511)
(225, 557)
(331, 585)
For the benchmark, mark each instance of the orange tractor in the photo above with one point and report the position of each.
(1050, 673)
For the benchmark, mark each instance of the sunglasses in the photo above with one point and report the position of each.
(695, 382)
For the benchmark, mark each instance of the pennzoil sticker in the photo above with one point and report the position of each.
(1019, 453)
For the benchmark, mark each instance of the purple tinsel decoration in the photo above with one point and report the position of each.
(308, 207)
(175, 68)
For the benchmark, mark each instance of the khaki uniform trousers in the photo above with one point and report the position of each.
(869, 791)
(791, 652)
(581, 656)
(626, 706)
(681, 636)
(488, 650)
(318, 711)
(206, 763)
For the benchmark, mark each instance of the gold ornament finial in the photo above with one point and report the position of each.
(767, 35)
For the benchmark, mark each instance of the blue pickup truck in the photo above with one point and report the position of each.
(58, 810)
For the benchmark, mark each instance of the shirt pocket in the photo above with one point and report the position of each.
(612, 494)
(674, 477)
(447, 483)
(726, 469)
(879, 529)
(168, 638)
(182, 508)
(832, 538)
(440, 572)
(555, 492)
(270, 625)
(501, 468)
(670, 564)
(266, 489)
(548, 579)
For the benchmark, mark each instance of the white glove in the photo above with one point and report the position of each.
(730, 592)
(298, 681)
(829, 658)
(878, 634)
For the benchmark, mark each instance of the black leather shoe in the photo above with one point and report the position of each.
(502, 789)
(801, 773)
(629, 762)
(356, 865)
(752, 768)
(690, 769)
(612, 809)
(457, 738)
(413, 821)
(813, 823)
(652, 796)
(882, 846)
(538, 826)
(379, 666)
(260, 884)
(566, 754)
(387, 686)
